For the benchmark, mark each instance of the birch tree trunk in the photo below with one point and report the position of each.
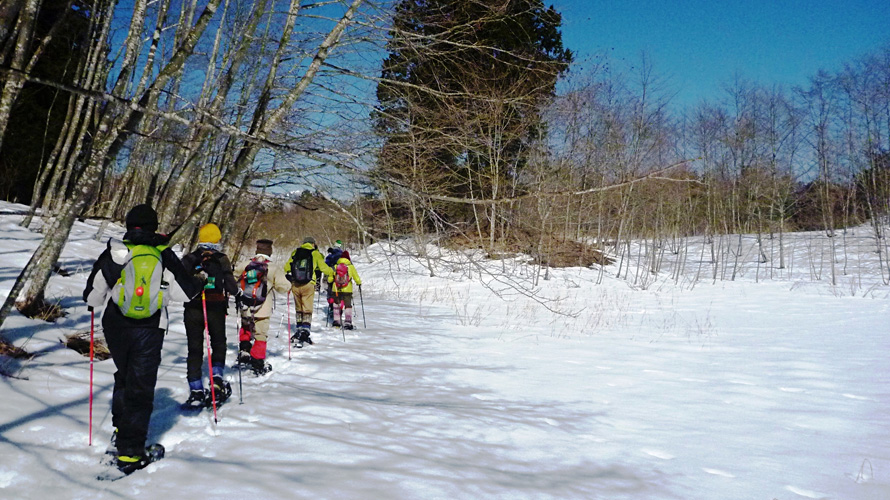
(115, 124)
(265, 121)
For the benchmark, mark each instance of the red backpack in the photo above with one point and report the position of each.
(341, 276)
(253, 283)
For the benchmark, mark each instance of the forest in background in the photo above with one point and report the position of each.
(422, 121)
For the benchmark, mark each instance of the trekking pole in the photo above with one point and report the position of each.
(92, 328)
(240, 363)
(329, 310)
(362, 301)
(288, 325)
(209, 363)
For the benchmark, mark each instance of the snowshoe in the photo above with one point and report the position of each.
(260, 367)
(128, 464)
(197, 400)
(348, 326)
(112, 444)
(111, 450)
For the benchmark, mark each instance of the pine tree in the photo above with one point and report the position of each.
(461, 92)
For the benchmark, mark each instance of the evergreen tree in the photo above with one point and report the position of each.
(461, 92)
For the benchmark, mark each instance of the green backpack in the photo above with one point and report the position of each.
(138, 291)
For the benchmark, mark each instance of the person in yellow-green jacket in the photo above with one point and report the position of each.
(300, 271)
(341, 286)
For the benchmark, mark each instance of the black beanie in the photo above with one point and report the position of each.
(142, 216)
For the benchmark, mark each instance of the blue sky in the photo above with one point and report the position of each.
(701, 44)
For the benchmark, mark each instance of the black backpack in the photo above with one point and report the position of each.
(210, 264)
(301, 266)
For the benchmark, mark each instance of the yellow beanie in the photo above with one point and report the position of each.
(209, 233)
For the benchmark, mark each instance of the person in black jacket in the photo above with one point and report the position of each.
(214, 268)
(135, 343)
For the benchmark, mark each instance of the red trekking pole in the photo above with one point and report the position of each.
(209, 363)
(92, 328)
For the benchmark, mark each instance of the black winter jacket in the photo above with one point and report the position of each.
(229, 284)
(107, 270)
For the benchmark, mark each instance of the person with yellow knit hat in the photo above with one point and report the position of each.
(209, 263)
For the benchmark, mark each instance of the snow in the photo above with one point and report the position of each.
(469, 385)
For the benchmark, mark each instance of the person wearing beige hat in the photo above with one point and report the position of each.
(259, 278)
(209, 263)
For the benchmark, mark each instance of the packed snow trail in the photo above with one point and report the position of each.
(377, 416)
(387, 414)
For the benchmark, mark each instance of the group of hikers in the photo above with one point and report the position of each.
(134, 279)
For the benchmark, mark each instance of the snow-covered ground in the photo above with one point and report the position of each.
(467, 386)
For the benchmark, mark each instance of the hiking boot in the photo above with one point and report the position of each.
(348, 326)
(221, 389)
(259, 366)
(336, 324)
(243, 357)
(131, 463)
(197, 399)
(304, 337)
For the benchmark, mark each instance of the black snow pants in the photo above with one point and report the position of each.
(197, 345)
(137, 355)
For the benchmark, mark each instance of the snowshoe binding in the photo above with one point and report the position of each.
(198, 399)
(221, 389)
